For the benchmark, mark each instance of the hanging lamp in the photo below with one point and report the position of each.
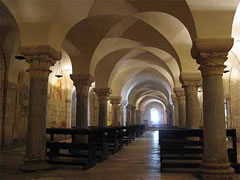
(59, 70)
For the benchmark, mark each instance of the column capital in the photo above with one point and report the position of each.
(179, 92)
(82, 79)
(129, 106)
(39, 66)
(174, 97)
(133, 107)
(40, 59)
(115, 100)
(211, 54)
(102, 93)
(191, 80)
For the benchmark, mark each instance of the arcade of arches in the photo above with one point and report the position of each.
(121, 61)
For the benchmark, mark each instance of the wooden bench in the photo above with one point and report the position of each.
(140, 130)
(126, 135)
(113, 137)
(100, 143)
(71, 152)
(183, 148)
(130, 132)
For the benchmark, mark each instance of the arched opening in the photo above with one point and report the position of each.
(155, 116)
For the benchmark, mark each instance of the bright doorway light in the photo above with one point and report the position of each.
(155, 118)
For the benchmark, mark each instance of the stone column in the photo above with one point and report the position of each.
(40, 59)
(138, 116)
(82, 82)
(176, 113)
(103, 94)
(191, 85)
(128, 114)
(115, 101)
(181, 106)
(169, 119)
(133, 115)
(121, 120)
(124, 113)
(211, 55)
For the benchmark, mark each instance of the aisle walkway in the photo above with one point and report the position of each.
(138, 161)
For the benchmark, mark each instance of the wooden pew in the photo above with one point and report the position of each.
(140, 130)
(130, 132)
(126, 135)
(100, 143)
(183, 148)
(70, 152)
(232, 149)
(113, 137)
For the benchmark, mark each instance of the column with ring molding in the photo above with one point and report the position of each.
(128, 114)
(40, 59)
(211, 55)
(103, 96)
(115, 101)
(176, 113)
(191, 83)
(82, 82)
(181, 106)
(133, 115)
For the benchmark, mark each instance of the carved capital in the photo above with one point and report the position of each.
(193, 83)
(115, 100)
(190, 80)
(102, 93)
(133, 108)
(179, 92)
(80, 80)
(40, 59)
(174, 98)
(129, 106)
(39, 66)
(211, 54)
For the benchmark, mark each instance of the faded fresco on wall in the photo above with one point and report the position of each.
(58, 105)
(17, 111)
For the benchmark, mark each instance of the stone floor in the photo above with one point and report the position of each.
(138, 161)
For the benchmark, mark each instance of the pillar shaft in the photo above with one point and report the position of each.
(138, 116)
(133, 115)
(103, 94)
(169, 118)
(37, 112)
(128, 114)
(82, 83)
(176, 113)
(192, 103)
(212, 53)
(181, 107)
(115, 101)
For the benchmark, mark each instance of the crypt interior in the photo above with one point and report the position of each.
(117, 64)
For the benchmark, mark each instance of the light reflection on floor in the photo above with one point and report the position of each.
(155, 135)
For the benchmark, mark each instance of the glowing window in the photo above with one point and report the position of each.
(155, 118)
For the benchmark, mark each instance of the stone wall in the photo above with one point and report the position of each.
(16, 114)
(234, 100)
(2, 70)
(93, 108)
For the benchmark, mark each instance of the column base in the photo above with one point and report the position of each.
(216, 171)
(38, 165)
